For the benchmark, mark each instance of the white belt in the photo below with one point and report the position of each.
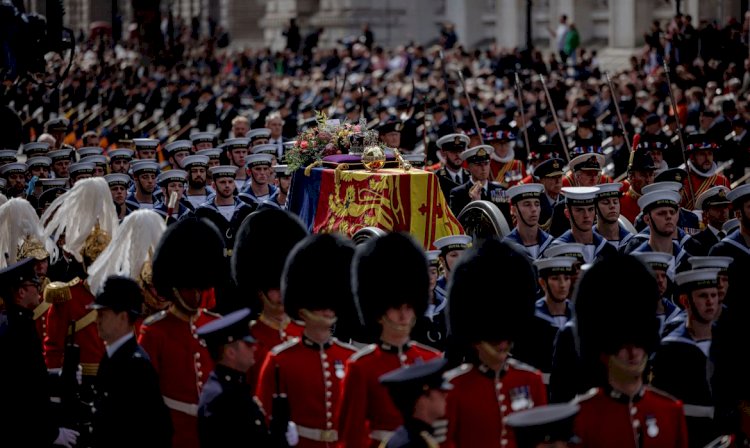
(692, 410)
(186, 408)
(545, 378)
(318, 435)
(381, 436)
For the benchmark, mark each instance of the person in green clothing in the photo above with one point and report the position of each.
(572, 42)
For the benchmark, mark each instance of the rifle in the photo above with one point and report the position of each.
(281, 414)
(554, 117)
(446, 86)
(679, 133)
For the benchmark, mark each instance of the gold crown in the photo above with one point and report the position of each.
(32, 247)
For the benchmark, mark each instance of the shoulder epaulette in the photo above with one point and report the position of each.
(662, 393)
(284, 346)
(344, 344)
(58, 292)
(364, 351)
(424, 347)
(591, 393)
(518, 365)
(210, 313)
(156, 317)
(454, 373)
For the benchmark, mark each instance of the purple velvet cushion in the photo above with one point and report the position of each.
(350, 158)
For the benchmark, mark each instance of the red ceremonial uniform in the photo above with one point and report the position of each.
(69, 303)
(569, 180)
(700, 185)
(651, 419)
(268, 335)
(40, 319)
(310, 375)
(629, 203)
(481, 399)
(507, 174)
(182, 363)
(366, 414)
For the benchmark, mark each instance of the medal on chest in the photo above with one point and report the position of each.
(338, 368)
(652, 429)
(520, 399)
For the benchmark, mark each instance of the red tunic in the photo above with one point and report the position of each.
(268, 337)
(310, 375)
(40, 319)
(507, 174)
(480, 400)
(58, 322)
(700, 185)
(651, 419)
(365, 404)
(629, 205)
(182, 364)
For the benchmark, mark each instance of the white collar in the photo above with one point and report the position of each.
(511, 155)
(113, 347)
(702, 173)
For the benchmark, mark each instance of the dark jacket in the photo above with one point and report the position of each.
(129, 407)
(459, 198)
(446, 181)
(413, 434)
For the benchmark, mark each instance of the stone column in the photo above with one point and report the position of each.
(466, 15)
(628, 22)
(510, 25)
(243, 20)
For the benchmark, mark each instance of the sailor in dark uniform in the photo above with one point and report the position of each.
(525, 203)
(177, 151)
(682, 365)
(259, 189)
(145, 148)
(671, 179)
(419, 393)
(479, 186)
(144, 174)
(666, 310)
(579, 208)
(119, 160)
(450, 248)
(283, 181)
(737, 243)
(546, 426)
(118, 186)
(197, 191)
(173, 182)
(60, 163)
(202, 140)
(608, 214)
(549, 173)
(715, 207)
(228, 413)
(224, 210)
(430, 328)
(452, 174)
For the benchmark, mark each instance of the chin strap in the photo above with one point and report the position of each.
(402, 329)
(622, 371)
(309, 316)
(182, 304)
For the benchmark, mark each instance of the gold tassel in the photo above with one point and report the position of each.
(315, 164)
(57, 292)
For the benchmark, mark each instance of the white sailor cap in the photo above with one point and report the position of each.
(433, 258)
(452, 242)
(8, 155)
(477, 154)
(711, 262)
(223, 171)
(168, 176)
(178, 146)
(555, 265)
(731, 225)
(282, 170)
(144, 166)
(12, 168)
(90, 151)
(236, 143)
(609, 190)
(655, 260)
(194, 160)
(739, 194)
(659, 198)
(202, 137)
(79, 168)
(526, 191)
(256, 134)
(211, 153)
(98, 159)
(39, 161)
(717, 195)
(580, 195)
(258, 160)
(265, 148)
(54, 182)
(659, 186)
(35, 148)
(116, 179)
(120, 153)
(453, 142)
(697, 279)
(59, 154)
(415, 159)
(145, 143)
(574, 250)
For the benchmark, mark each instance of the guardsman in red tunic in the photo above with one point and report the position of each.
(310, 369)
(504, 168)
(389, 307)
(491, 384)
(169, 337)
(640, 173)
(262, 245)
(617, 340)
(702, 169)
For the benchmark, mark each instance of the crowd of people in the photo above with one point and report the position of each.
(156, 289)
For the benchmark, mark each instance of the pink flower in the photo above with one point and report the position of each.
(303, 144)
(356, 128)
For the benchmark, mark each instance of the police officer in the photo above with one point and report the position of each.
(525, 207)
(492, 384)
(621, 411)
(419, 393)
(228, 414)
(128, 407)
(309, 370)
(389, 311)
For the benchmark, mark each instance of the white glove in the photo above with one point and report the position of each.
(79, 375)
(66, 437)
(292, 438)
